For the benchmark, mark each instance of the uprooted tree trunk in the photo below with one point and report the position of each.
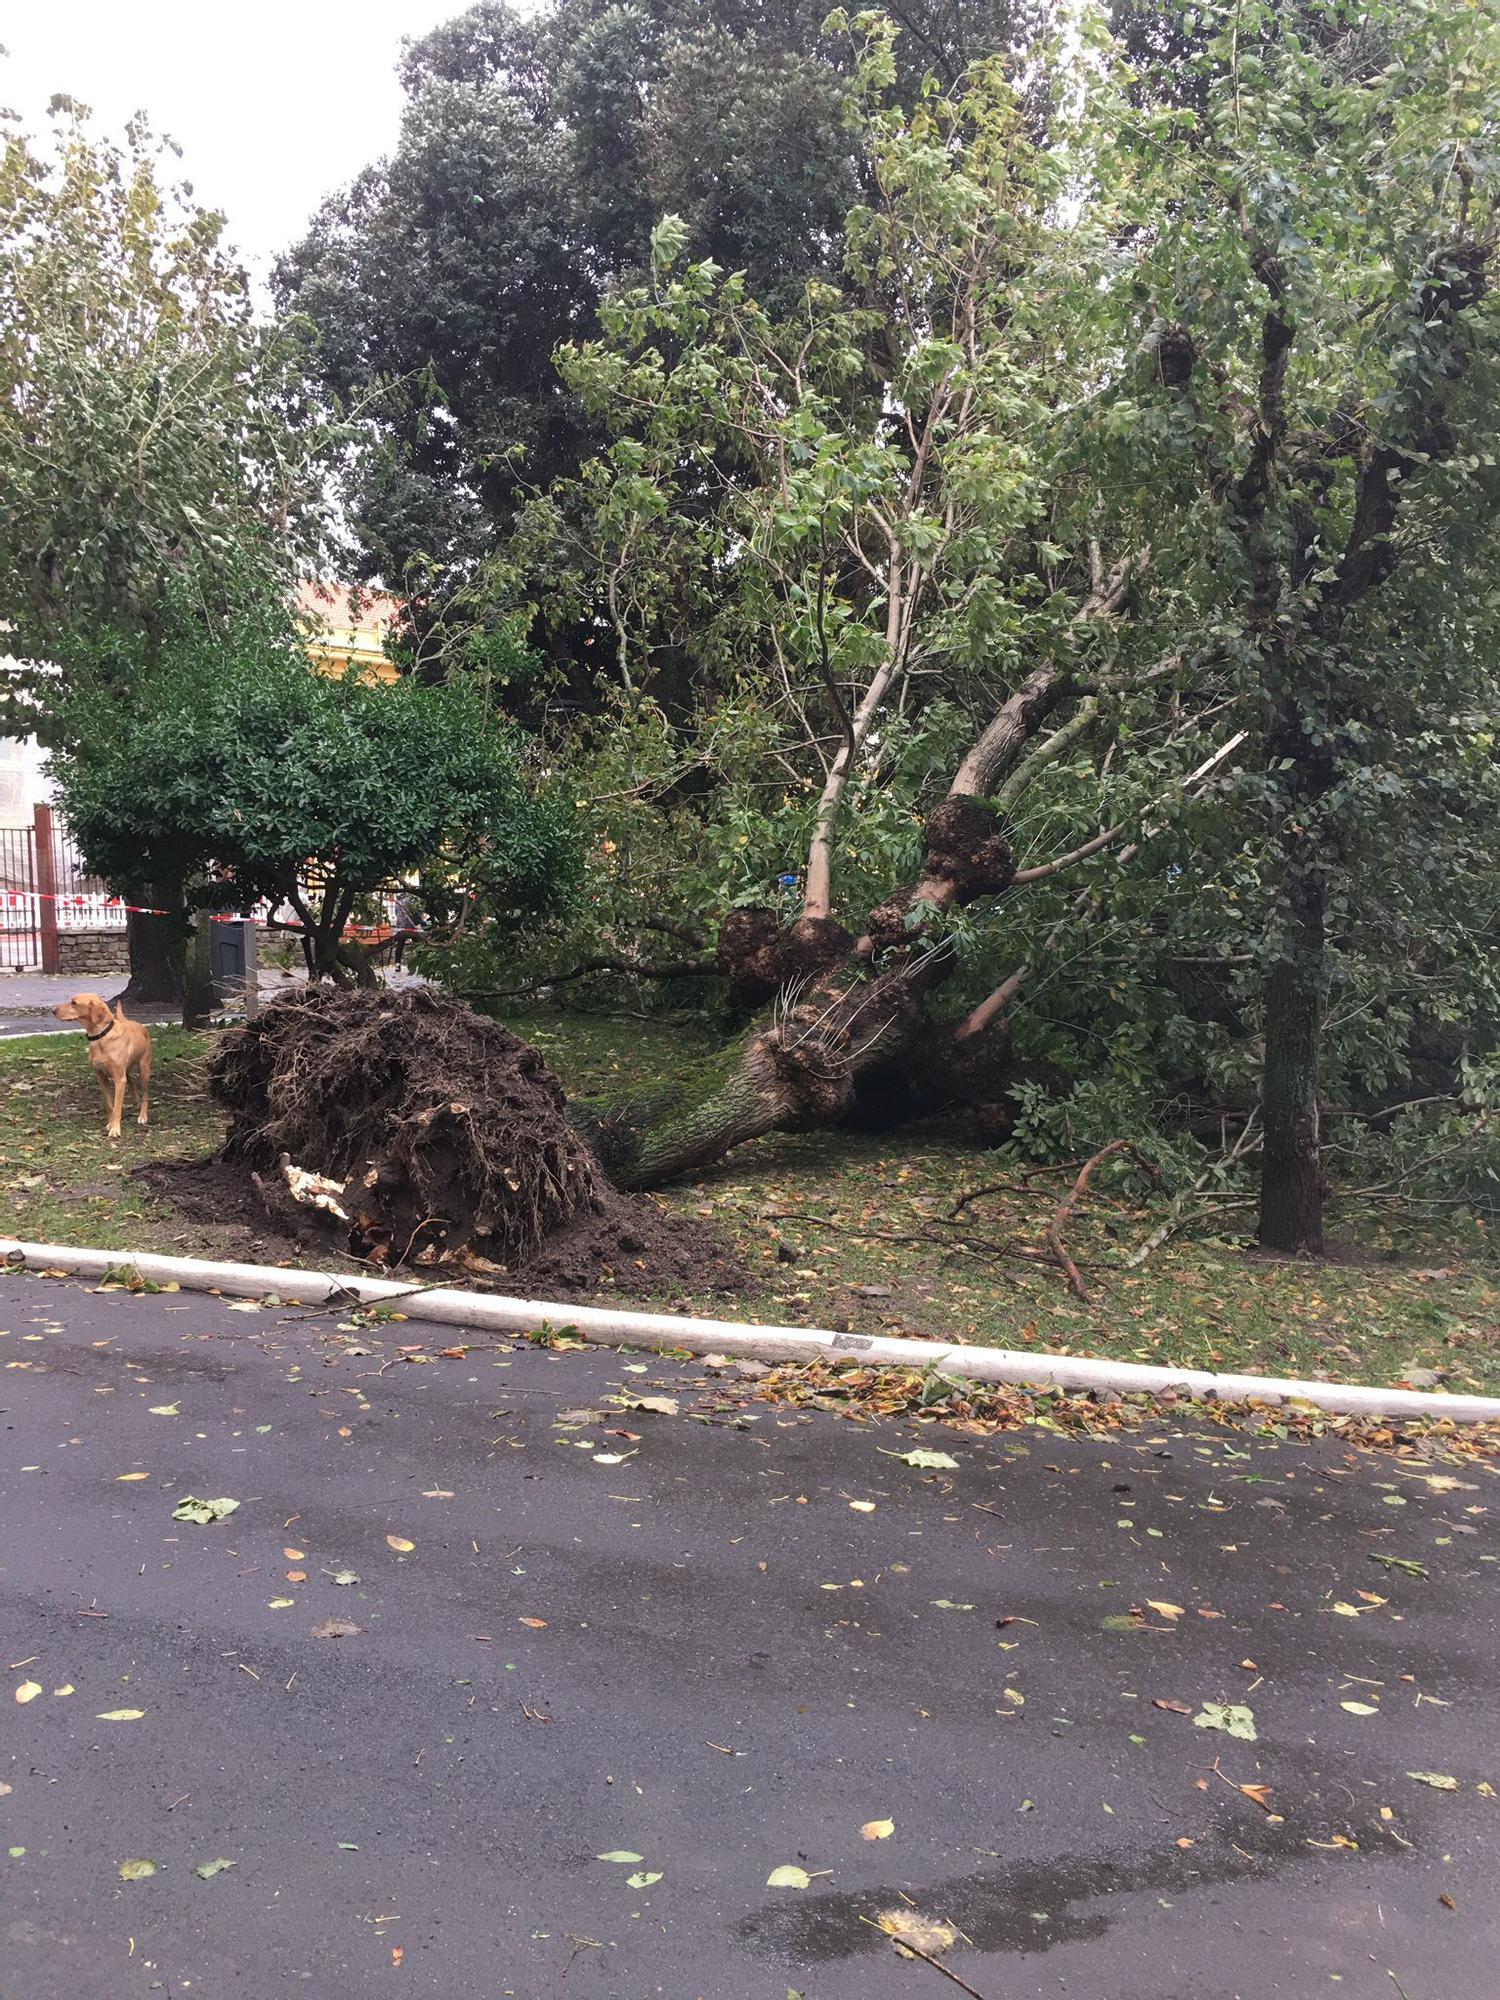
(841, 1009)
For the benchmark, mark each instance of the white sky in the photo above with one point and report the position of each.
(274, 105)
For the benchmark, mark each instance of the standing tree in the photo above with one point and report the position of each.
(148, 435)
(1322, 332)
(536, 151)
(240, 767)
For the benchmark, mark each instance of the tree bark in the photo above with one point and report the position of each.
(795, 1071)
(158, 949)
(1291, 1174)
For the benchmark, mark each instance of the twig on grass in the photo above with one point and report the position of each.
(1066, 1206)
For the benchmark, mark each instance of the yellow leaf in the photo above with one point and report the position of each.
(877, 1829)
(124, 1476)
(400, 1543)
(28, 1691)
(1172, 1612)
(66, 1688)
(120, 1715)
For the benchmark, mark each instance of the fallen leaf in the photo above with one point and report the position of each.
(207, 1870)
(1185, 1841)
(1436, 1779)
(663, 1406)
(1358, 1708)
(120, 1715)
(925, 1461)
(296, 1576)
(1172, 1707)
(863, 1506)
(1172, 1612)
(1259, 1794)
(335, 1628)
(28, 1691)
(203, 1511)
(1447, 1901)
(947, 1604)
(536, 1624)
(1233, 1718)
(294, 1555)
(166, 1409)
(622, 1855)
(643, 1879)
(343, 1576)
(398, 1952)
(788, 1876)
(400, 1544)
(136, 1871)
(910, 1926)
(437, 1493)
(877, 1829)
(122, 1478)
(66, 1688)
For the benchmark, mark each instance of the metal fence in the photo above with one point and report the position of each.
(45, 890)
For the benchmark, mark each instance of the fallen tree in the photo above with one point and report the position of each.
(1116, 464)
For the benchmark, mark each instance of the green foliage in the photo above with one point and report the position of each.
(148, 426)
(537, 152)
(233, 760)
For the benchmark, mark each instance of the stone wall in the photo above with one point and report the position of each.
(92, 952)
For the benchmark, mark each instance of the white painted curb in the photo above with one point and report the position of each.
(493, 1313)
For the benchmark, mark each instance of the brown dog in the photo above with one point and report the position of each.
(117, 1049)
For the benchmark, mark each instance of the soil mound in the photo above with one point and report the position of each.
(446, 1140)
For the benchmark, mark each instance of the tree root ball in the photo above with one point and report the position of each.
(453, 1140)
(450, 1132)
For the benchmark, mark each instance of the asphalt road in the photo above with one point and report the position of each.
(720, 1646)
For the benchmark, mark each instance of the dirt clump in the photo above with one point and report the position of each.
(450, 1138)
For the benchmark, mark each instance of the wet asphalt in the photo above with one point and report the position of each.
(723, 1641)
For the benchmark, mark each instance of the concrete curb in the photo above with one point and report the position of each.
(492, 1313)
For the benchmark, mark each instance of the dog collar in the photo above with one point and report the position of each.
(101, 1034)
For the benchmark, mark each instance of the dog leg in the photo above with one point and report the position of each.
(143, 1084)
(116, 1107)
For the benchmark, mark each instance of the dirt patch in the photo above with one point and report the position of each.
(629, 1245)
(452, 1142)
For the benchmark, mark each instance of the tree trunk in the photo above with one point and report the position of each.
(158, 950)
(1291, 1178)
(794, 1071)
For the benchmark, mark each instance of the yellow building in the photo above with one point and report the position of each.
(346, 629)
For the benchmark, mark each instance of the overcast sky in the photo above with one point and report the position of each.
(274, 104)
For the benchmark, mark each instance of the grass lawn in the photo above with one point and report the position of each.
(826, 1222)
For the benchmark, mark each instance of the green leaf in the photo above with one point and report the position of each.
(925, 1461)
(1234, 1719)
(208, 1869)
(644, 1879)
(1436, 1779)
(203, 1511)
(136, 1871)
(788, 1876)
(621, 1854)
